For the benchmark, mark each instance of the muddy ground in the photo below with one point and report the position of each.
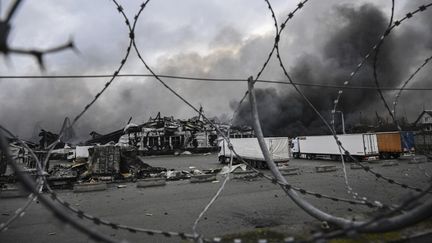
(244, 205)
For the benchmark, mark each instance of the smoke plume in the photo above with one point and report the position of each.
(285, 113)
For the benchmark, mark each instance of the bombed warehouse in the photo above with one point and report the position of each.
(215, 121)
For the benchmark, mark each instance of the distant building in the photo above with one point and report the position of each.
(424, 121)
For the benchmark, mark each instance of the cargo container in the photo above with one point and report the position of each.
(389, 144)
(249, 150)
(362, 146)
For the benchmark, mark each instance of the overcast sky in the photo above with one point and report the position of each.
(210, 38)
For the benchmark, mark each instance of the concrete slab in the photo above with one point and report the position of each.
(418, 159)
(151, 182)
(13, 192)
(245, 174)
(390, 163)
(290, 171)
(89, 187)
(325, 168)
(203, 178)
(358, 167)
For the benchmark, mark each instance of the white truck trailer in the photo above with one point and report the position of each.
(362, 146)
(249, 150)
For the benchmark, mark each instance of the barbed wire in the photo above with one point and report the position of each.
(352, 230)
(395, 102)
(173, 91)
(325, 122)
(28, 183)
(349, 188)
(276, 179)
(391, 112)
(336, 101)
(381, 39)
(396, 222)
(38, 54)
(228, 80)
(276, 40)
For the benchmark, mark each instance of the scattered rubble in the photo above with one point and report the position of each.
(390, 163)
(287, 171)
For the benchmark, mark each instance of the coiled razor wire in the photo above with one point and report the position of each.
(396, 222)
(97, 221)
(169, 88)
(286, 186)
(396, 100)
(307, 207)
(276, 40)
(336, 101)
(352, 230)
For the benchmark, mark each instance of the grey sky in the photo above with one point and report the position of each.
(192, 37)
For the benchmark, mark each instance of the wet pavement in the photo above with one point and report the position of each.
(244, 205)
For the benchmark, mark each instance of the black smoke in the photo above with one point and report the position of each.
(285, 113)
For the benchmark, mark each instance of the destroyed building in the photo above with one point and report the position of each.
(166, 135)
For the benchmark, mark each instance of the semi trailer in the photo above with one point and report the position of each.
(362, 146)
(249, 150)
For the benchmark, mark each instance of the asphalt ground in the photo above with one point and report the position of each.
(244, 205)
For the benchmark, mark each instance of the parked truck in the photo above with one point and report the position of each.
(249, 150)
(362, 146)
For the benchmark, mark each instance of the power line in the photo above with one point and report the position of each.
(320, 85)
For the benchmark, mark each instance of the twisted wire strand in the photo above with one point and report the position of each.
(97, 220)
(402, 88)
(346, 153)
(381, 39)
(413, 216)
(169, 88)
(353, 230)
(20, 212)
(340, 147)
(221, 188)
(28, 183)
(276, 40)
(191, 106)
(83, 215)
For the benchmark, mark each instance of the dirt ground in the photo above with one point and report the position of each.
(244, 205)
